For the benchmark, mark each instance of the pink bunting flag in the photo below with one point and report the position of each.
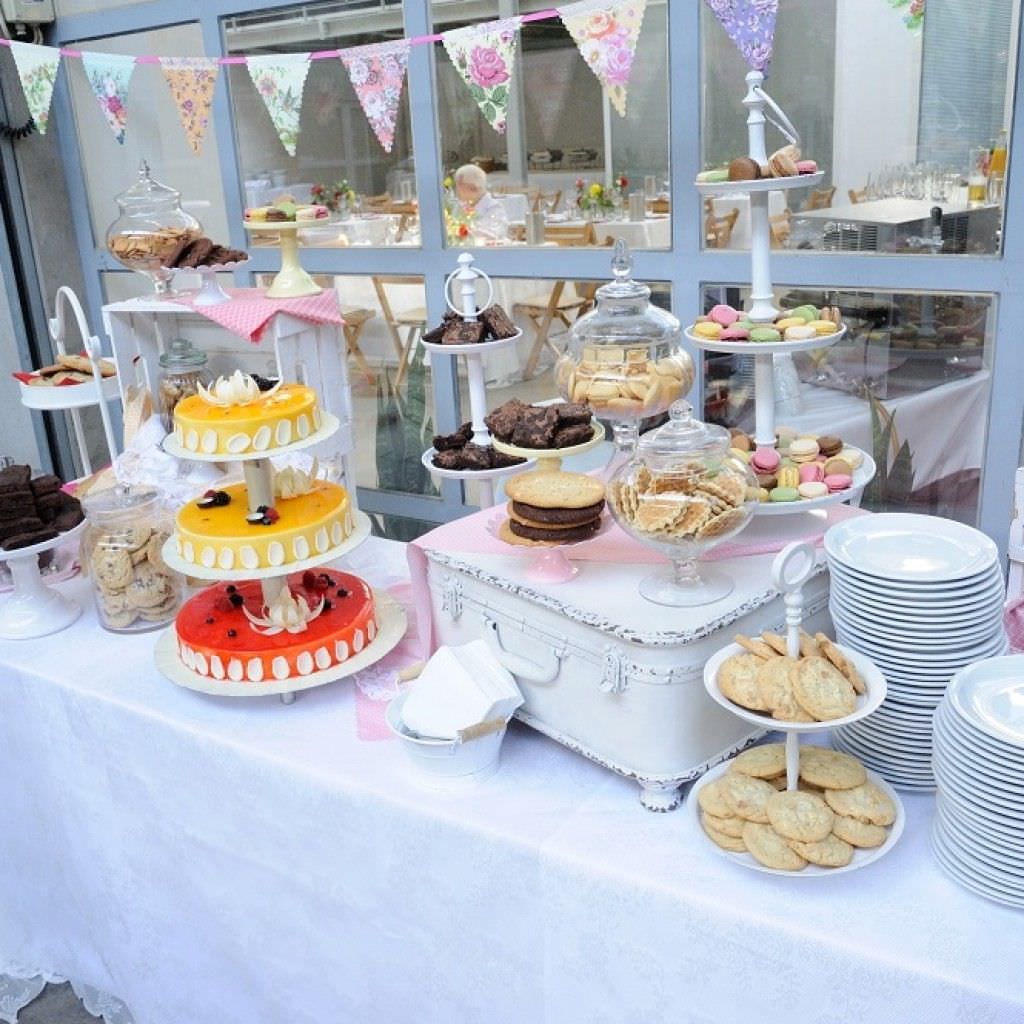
(750, 24)
(192, 81)
(377, 73)
(484, 55)
(605, 32)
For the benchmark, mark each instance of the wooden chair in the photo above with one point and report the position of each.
(660, 206)
(356, 318)
(570, 234)
(820, 198)
(857, 197)
(718, 230)
(379, 203)
(543, 311)
(412, 321)
(780, 227)
(546, 202)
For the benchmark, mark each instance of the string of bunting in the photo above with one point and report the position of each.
(605, 33)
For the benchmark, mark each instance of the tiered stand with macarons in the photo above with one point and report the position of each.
(826, 853)
(764, 331)
(291, 281)
(259, 476)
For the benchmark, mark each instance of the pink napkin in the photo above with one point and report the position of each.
(249, 311)
(1013, 620)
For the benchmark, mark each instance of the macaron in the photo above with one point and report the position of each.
(783, 162)
(744, 324)
(800, 332)
(808, 312)
(708, 329)
(789, 321)
(854, 456)
(784, 494)
(744, 168)
(784, 436)
(811, 473)
(813, 489)
(739, 453)
(762, 493)
(767, 480)
(789, 476)
(807, 166)
(740, 440)
(829, 445)
(713, 176)
(837, 465)
(735, 334)
(766, 460)
(822, 327)
(838, 482)
(765, 334)
(803, 449)
(723, 314)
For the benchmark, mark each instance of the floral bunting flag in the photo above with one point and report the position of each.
(192, 81)
(279, 79)
(109, 75)
(377, 73)
(484, 55)
(37, 69)
(751, 26)
(605, 32)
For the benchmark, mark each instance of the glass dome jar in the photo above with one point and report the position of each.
(151, 225)
(182, 369)
(683, 493)
(624, 357)
(120, 550)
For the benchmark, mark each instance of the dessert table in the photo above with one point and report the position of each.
(220, 862)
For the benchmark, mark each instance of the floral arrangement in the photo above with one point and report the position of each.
(593, 197)
(914, 18)
(458, 224)
(333, 196)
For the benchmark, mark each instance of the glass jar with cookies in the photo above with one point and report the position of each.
(683, 493)
(134, 590)
(182, 369)
(624, 357)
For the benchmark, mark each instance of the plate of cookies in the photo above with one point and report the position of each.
(841, 817)
(824, 686)
(68, 383)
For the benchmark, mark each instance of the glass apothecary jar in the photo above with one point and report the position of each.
(151, 225)
(682, 494)
(182, 369)
(120, 549)
(624, 357)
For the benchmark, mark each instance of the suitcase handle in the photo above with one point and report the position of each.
(519, 666)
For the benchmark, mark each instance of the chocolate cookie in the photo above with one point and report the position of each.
(461, 332)
(446, 442)
(563, 535)
(26, 540)
(498, 323)
(557, 516)
(450, 459)
(476, 456)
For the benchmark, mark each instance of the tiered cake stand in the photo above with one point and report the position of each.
(467, 307)
(792, 567)
(291, 280)
(259, 481)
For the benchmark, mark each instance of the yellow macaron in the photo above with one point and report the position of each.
(789, 321)
(708, 329)
(823, 327)
(789, 476)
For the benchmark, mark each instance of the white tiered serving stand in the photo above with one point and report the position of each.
(468, 307)
(762, 302)
(792, 567)
(259, 482)
(291, 281)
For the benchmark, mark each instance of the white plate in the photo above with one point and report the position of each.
(982, 818)
(936, 634)
(932, 605)
(904, 764)
(976, 768)
(479, 348)
(329, 424)
(743, 188)
(932, 646)
(972, 823)
(980, 743)
(910, 547)
(763, 348)
(985, 865)
(979, 792)
(69, 396)
(861, 858)
(975, 833)
(871, 619)
(923, 659)
(957, 591)
(866, 704)
(990, 695)
(911, 740)
(953, 869)
(470, 474)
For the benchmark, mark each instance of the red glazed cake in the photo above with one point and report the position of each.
(217, 637)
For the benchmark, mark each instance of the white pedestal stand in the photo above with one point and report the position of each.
(291, 281)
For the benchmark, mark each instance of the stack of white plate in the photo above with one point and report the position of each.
(978, 835)
(922, 597)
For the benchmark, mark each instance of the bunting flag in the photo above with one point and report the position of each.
(750, 24)
(192, 81)
(377, 73)
(484, 55)
(605, 32)
(37, 69)
(279, 78)
(109, 75)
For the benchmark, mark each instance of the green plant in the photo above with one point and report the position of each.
(894, 481)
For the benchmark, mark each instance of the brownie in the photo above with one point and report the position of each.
(15, 504)
(567, 437)
(68, 520)
(20, 475)
(450, 459)
(498, 323)
(536, 429)
(174, 256)
(450, 442)
(562, 535)
(48, 507)
(435, 335)
(502, 421)
(26, 540)
(476, 456)
(462, 332)
(47, 484)
(197, 253)
(557, 516)
(571, 414)
(499, 460)
(25, 524)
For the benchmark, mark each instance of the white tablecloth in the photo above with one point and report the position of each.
(652, 233)
(218, 862)
(516, 206)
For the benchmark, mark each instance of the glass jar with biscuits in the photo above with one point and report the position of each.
(150, 227)
(182, 369)
(134, 590)
(624, 357)
(682, 494)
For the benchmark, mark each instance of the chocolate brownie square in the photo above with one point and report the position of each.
(26, 540)
(68, 520)
(536, 428)
(25, 524)
(502, 421)
(16, 504)
(450, 459)
(18, 475)
(499, 460)
(435, 335)
(48, 506)
(572, 413)
(498, 323)
(449, 442)
(48, 484)
(567, 437)
(461, 332)
(476, 456)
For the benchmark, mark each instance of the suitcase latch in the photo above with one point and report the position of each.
(451, 596)
(614, 678)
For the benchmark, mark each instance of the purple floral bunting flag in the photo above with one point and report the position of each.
(109, 75)
(37, 69)
(484, 55)
(751, 26)
(377, 73)
(605, 32)
(192, 81)
(279, 79)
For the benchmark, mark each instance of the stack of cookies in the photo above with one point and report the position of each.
(833, 811)
(548, 509)
(490, 324)
(67, 369)
(820, 685)
(33, 511)
(560, 425)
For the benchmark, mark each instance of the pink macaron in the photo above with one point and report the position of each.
(838, 482)
(735, 334)
(724, 315)
(806, 167)
(811, 473)
(765, 460)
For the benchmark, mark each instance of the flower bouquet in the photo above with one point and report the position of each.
(339, 198)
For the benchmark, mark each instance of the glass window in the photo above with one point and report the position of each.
(910, 384)
(901, 120)
(376, 201)
(563, 140)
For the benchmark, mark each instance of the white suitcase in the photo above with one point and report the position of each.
(606, 673)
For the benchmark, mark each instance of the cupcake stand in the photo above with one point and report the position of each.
(791, 569)
(291, 281)
(259, 482)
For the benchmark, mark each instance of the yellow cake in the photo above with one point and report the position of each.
(234, 417)
(221, 537)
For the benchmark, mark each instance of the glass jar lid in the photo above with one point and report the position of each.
(182, 355)
(120, 500)
(147, 193)
(682, 437)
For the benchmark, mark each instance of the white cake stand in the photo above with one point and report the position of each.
(210, 292)
(34, 609)
(549, 564)
(291, 281)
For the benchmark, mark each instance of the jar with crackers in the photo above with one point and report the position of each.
(624, 358)
(134, 590)
(683, 494)
(150, 226)
(182, 369)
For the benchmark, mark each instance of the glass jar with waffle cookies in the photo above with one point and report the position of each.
(683, 494)
(624, 357)
(150, 227)
(134, 590)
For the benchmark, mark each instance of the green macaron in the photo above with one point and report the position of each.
(714, 176)
(808, 312)
(765, 334)
(784, 494)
